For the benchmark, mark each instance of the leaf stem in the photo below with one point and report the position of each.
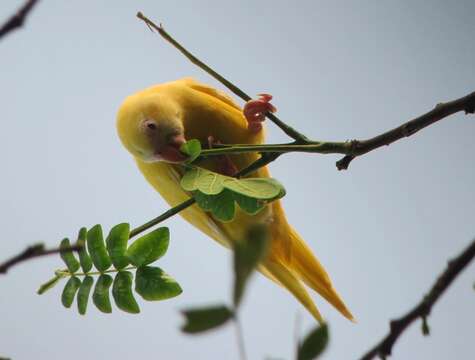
(167, 214)
(66, 273)
(310, 147)
(240, 338)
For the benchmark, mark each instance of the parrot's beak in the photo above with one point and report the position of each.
(171, 151)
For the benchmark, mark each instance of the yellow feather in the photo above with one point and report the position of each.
(203, 111)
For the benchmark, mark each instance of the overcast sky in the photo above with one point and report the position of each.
(338, 70)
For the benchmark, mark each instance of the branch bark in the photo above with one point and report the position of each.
(30, 253)
(17, 20)
(423, 309)
(355, 148)
(441, 111)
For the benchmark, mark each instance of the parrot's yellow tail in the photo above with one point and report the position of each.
(301, 265)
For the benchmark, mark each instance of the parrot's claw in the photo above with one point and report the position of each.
(255, 111)
(225, 164)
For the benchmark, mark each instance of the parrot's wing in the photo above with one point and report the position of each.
(218, 94)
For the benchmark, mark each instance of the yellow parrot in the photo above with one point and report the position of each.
(154, 123)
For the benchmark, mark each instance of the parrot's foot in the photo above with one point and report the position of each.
(255, 111)
(224, 162)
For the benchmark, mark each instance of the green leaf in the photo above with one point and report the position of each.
(100, 296)
(249, 205)
(206, 202)
(97, 249)
(49, 284)
(258, 188)
(211, 183)
(207, 182)
(220, 205)
(84, 258)
(117, 245)
(122, 293)
(149, 247)
(83, 294)
(68, 256)
(314, 344)
(192, 148)
(199, 320)
(152, 283)
(69, 291)
(247, 255)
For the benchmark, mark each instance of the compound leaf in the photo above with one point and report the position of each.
(83, 294)
(152, 283)
(117, 245)
(97, 249)
(68, 256)
(122, 293)
(84, 258)
(69, 291)
(100, 296)
(149, 247)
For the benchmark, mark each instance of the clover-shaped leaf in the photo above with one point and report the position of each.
(218, 193)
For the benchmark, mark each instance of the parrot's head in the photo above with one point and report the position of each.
(151, 128)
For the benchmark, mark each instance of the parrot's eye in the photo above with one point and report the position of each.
(151, 126)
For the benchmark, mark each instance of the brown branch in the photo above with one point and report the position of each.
(423, 309)
(17, 19)
(33, 252)
(442, 110)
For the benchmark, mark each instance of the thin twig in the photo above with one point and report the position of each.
(33, 252)
(236, 90)
(17, 19)
(423, 309)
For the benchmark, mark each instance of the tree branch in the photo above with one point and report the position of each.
(355, 148)
(423, 309)
(351, 149)
(32, 252)
(17, 19)
(441, 111)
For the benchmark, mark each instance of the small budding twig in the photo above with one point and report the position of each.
(423, 309)
(16, 20)
(33, 252)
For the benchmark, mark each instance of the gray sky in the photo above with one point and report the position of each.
(338, 70)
